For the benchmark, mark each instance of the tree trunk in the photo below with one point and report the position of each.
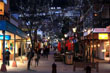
(33, 41)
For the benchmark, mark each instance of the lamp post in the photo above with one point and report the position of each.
(48, 38)
(74, 30)
(65, 35)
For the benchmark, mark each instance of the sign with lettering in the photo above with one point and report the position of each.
(1, 8)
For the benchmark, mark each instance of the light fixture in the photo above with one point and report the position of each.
(62, 39)
(84, 30)
(28, 34)
(56, 40)
(89, 31)
(48, 38)
(95, 14)
(65, 35)
(98, 45)
(103, 50)
(74, 29)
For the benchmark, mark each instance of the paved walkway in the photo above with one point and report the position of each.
(45, 67)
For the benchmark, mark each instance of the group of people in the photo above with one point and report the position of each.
(39, 52)
(44, 51)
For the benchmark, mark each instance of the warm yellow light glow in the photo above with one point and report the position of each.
(95, 46)
(98, 45)
(89, 31)
(91, 46)
(48, 38)
(103, 36)
(95, 14)
(104, 50)
(74, 29)
(1, 8)
(56, 40)
(0, 44)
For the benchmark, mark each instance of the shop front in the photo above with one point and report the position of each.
(15, 39)
(98, 43)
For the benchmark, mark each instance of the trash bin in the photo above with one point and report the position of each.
(68, 58)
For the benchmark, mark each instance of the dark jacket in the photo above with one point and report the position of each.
(7, 55)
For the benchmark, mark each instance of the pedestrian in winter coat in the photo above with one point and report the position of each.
(7, 56)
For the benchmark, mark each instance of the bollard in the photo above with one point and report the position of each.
(74, 67)
(88, 69)
(54, 68)
(97, 67)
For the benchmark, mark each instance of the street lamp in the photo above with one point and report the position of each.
(95, 14)
(65, 35)
(28, 34)
(62, 39)
(74, 29)
(48, 38)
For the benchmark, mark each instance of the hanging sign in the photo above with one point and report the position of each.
(1, 8)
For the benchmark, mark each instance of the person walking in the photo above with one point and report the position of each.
(37, 59)
(7, 56)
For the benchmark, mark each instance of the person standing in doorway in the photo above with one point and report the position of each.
(7, 56)
(19, 52)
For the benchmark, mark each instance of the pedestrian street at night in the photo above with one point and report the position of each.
(55, 36)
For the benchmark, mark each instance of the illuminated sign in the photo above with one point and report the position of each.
(1, 8)
(7, 37)
(103, 36)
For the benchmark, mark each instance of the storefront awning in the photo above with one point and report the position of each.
(5, 25)
(97, 30)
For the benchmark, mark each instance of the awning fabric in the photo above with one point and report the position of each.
(5, 25)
